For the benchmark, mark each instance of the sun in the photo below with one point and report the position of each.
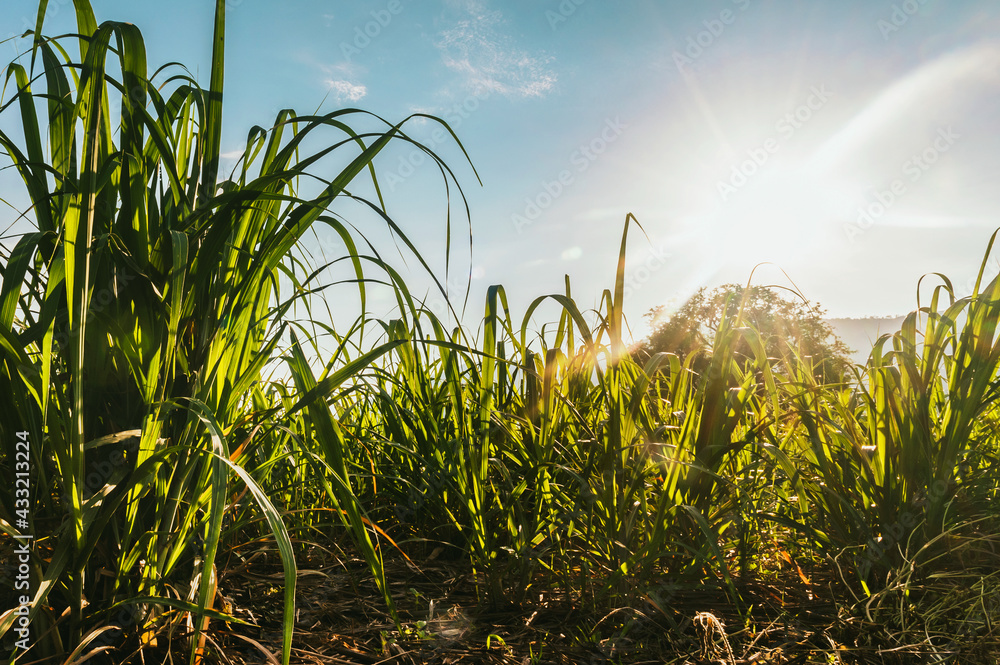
(782, 215)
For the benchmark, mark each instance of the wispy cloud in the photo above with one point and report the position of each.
(347, 91)
(488, 60)
(956, 79)
(342, 79)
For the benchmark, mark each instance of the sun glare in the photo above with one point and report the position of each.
(784, 215)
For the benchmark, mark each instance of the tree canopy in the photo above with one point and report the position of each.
(782, 323)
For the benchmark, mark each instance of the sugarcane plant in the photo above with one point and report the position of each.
(139, 316)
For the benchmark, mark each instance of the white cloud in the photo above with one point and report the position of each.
(348, 69)
(955, 79)
(488, 60)
(347, 91)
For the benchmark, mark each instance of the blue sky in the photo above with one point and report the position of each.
(854, 144)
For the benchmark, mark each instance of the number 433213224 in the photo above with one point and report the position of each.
(22, 492)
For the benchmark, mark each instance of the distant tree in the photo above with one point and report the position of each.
(781, 323)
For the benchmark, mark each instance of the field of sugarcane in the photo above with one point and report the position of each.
(210, 478)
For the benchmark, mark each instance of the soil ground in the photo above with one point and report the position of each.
(342, 619)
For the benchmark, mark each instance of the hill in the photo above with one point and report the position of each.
(860, 334)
